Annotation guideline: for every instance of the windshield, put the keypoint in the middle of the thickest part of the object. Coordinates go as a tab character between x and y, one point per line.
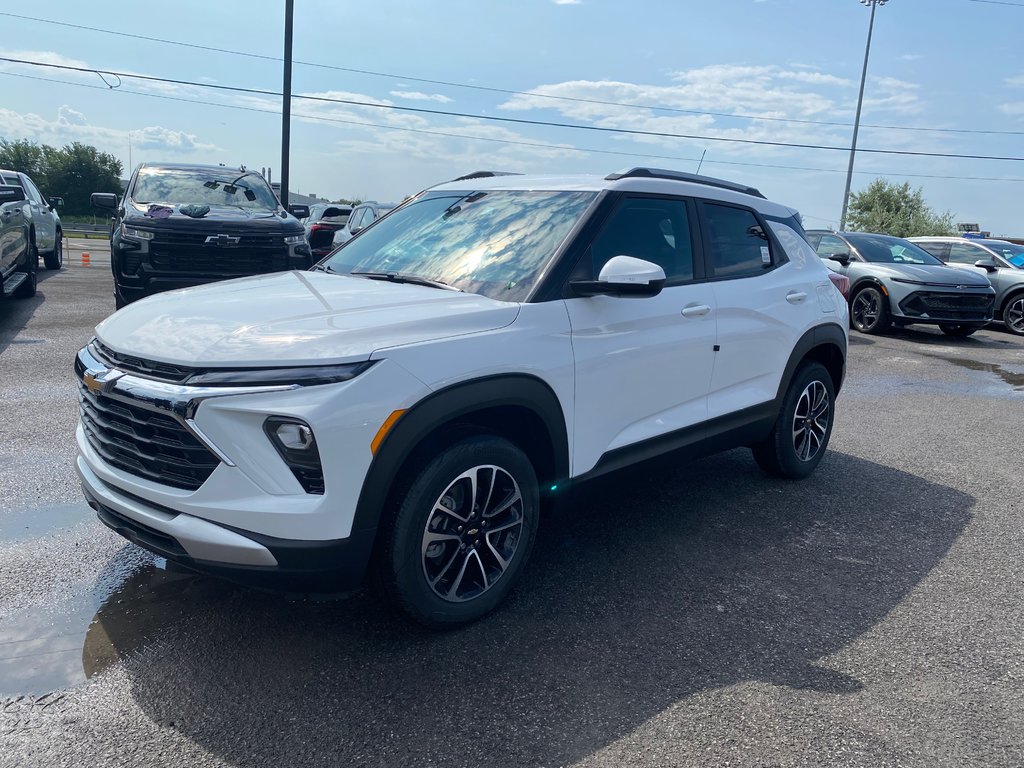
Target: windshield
493	243
882	249
175	186
1012	252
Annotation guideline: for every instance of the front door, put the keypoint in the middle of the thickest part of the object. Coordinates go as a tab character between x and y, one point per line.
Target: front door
643	365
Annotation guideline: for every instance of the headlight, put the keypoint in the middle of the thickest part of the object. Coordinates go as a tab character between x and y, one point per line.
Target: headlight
136	234
295	443
305	376
295	240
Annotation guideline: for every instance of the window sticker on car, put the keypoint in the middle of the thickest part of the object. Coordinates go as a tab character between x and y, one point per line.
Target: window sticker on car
766	256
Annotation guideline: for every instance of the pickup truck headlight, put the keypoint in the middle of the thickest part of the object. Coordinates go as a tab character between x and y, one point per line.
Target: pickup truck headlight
135	234
295	239
296	444
305	376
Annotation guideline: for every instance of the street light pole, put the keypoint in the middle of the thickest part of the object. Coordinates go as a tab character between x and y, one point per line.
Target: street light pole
860	103
286	107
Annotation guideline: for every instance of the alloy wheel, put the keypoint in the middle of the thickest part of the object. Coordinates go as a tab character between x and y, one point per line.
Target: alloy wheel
866	310
810	420
1015	315
472	533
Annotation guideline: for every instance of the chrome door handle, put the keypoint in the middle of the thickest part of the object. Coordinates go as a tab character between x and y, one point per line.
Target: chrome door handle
795	297
698	310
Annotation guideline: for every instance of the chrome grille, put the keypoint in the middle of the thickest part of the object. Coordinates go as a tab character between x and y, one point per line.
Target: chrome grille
143	442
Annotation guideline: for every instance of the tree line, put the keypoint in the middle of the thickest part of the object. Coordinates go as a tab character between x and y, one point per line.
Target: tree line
72	172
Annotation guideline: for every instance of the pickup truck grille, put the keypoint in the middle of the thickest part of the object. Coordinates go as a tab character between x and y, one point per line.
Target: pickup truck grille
190	254
146	443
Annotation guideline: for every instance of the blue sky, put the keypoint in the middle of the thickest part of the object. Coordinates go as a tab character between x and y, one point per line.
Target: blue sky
934	64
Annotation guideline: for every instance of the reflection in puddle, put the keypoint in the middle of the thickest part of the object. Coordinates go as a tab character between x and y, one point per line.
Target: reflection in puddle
1014	378
46	648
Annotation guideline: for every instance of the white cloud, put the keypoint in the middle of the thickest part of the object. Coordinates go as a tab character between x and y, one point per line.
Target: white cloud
567	2
1015	108
418	96
1015	82
911	57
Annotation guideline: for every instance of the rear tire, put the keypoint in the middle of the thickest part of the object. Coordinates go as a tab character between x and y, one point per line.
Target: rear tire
1013	314
55	258
798	441
869	311
959	331
450	556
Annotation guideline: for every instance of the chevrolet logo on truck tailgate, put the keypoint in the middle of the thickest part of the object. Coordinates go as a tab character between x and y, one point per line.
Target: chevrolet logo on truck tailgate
222	241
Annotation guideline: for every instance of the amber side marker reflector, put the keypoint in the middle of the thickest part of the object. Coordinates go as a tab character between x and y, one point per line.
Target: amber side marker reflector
389	422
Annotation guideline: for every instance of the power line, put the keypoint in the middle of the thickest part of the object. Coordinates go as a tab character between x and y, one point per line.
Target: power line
515	142
510	92
514	120
998	2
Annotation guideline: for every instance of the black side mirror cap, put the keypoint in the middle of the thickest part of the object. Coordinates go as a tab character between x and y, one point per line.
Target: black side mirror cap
842	258
299	211
105	200
55	202
989	265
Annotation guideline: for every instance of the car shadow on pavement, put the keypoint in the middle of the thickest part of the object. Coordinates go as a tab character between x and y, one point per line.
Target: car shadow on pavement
655	584
15	313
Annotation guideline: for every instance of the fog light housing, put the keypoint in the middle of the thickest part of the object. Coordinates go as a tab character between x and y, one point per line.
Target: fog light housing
296	445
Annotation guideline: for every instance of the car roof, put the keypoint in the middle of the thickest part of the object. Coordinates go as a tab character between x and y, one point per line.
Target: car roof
617	183
955	239
197	167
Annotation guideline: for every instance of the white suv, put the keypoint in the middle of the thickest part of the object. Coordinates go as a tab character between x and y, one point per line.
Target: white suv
405	408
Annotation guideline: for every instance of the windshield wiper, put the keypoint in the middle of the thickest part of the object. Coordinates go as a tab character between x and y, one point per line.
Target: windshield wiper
324	268
398	277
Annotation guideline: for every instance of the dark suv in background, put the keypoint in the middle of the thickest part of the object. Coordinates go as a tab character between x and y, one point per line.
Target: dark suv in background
183	225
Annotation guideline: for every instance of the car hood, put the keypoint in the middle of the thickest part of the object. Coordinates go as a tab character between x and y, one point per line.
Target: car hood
295	318
217	215
933	274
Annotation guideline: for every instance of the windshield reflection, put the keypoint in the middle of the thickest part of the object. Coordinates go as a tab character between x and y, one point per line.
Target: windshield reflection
494	243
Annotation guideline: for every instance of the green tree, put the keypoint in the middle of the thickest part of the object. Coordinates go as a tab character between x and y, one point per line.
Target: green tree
78	170
895	209
28	157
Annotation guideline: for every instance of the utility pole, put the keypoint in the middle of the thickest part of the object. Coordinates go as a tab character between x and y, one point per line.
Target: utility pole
286	107
860	103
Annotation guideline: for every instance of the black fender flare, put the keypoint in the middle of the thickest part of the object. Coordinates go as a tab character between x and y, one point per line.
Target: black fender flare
824	335
868	280
447	405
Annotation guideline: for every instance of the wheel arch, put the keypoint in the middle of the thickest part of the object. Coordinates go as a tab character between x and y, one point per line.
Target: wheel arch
868	280
825	344
1016	292
519	407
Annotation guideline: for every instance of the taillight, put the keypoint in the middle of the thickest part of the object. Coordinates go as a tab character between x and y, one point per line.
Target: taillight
841	282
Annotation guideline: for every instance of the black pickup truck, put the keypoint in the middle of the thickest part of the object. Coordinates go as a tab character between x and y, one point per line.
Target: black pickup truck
184	225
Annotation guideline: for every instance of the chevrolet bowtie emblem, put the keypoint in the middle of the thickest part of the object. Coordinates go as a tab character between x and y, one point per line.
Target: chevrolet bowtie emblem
98	381
223	241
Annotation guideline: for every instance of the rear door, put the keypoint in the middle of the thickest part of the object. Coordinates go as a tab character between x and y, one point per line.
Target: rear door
643	364
764	304
12	229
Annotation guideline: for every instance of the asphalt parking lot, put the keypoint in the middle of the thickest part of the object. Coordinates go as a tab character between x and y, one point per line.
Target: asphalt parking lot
677	614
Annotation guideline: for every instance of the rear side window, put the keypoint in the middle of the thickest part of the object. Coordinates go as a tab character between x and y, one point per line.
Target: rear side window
961	253
938	250
738	245
830	245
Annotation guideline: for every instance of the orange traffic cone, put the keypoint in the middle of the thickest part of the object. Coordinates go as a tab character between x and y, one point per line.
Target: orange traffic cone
85	258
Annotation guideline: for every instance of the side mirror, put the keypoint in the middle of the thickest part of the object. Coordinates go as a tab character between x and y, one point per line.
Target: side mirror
11	194
55	202
989	264
105	200
624	276
299	211
842	258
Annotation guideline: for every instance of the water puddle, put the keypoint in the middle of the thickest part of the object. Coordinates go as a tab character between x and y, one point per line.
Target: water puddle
39	521
45	648
1014	378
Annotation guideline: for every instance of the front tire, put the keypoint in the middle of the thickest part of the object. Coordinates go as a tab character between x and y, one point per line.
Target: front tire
1013	314
869	311
797	442
55	258
462	533
959	331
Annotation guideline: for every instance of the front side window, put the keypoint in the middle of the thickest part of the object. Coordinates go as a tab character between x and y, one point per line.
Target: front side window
177	186
1011	252
652	229
883	249
739	246
33	192
962	253
495	243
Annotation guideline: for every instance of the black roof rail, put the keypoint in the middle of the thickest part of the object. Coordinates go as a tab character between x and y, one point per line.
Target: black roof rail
661	173
484	175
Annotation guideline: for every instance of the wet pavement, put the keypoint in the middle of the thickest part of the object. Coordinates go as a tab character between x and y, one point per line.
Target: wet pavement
674	614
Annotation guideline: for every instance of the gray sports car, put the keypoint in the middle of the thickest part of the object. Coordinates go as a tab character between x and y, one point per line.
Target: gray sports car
1001	261
894	282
